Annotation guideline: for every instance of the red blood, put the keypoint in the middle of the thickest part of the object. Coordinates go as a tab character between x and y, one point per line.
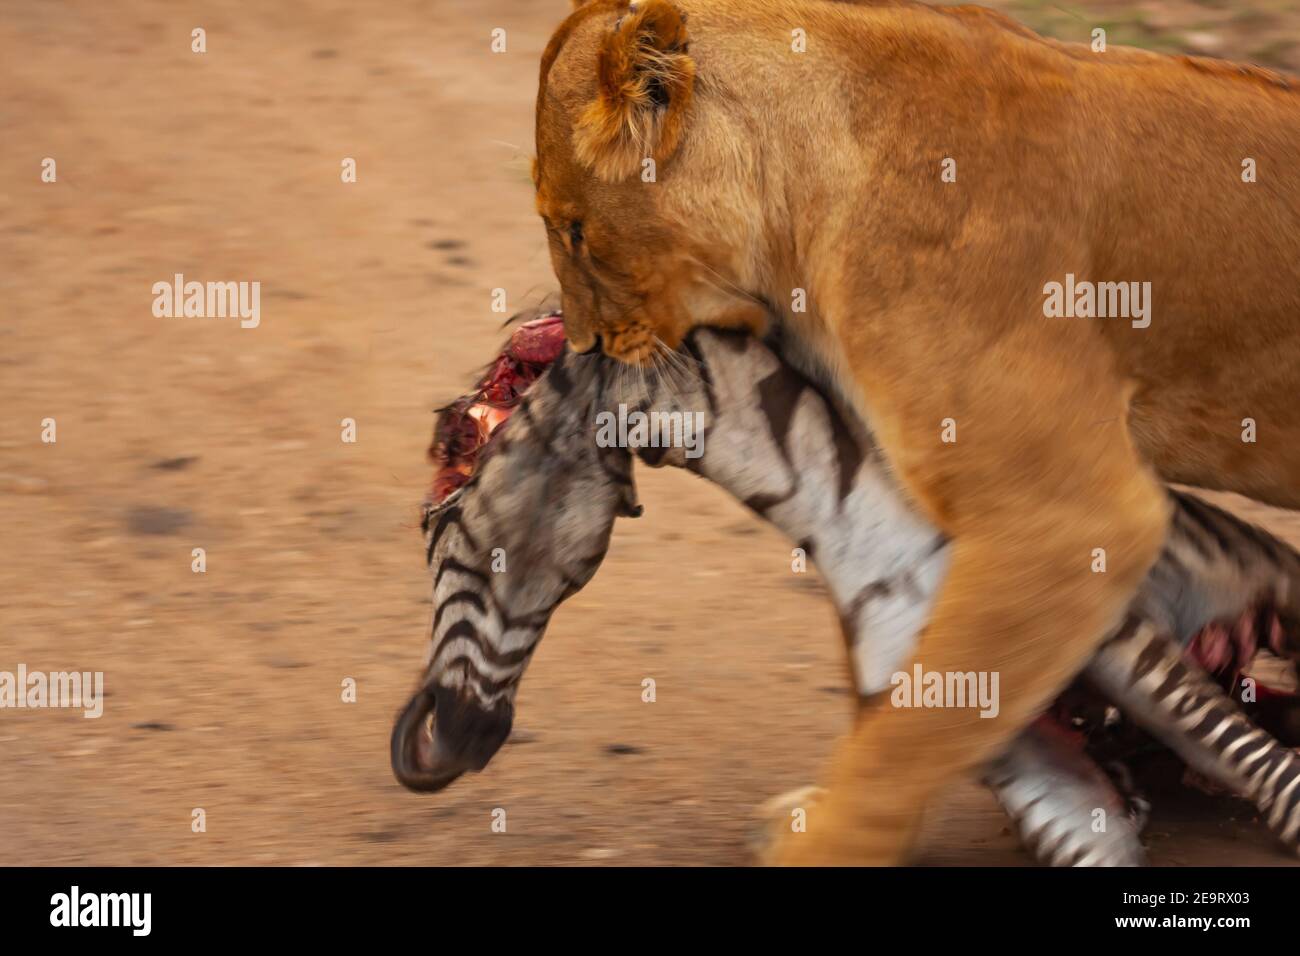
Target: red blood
540	341
501	385
1212	648
445	482
1229	646
467	425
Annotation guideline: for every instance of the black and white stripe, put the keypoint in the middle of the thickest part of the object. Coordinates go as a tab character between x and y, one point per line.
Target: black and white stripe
543	500
883	565
775	441
1144	673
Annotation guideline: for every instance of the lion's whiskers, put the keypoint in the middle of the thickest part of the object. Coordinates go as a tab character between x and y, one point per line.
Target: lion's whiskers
670	364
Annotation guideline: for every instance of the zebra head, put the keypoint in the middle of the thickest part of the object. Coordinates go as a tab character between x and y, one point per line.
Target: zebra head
528	529
532	523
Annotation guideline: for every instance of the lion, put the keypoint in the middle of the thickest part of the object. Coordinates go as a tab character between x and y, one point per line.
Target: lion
898	192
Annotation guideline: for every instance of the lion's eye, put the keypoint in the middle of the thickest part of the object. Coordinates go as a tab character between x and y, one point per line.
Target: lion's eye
575	233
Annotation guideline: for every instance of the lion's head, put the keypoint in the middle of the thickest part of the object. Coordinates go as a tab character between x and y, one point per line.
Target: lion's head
644	201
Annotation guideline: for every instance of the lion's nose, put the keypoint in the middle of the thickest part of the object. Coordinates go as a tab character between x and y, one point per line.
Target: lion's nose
582	337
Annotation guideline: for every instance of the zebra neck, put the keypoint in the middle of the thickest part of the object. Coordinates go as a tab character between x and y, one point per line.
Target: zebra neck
782	452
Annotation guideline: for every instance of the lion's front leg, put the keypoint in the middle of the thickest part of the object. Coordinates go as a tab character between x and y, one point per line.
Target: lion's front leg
775	817
1064	807
1053	523
902	751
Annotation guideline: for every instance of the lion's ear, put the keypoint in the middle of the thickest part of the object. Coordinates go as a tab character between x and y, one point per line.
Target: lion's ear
643	91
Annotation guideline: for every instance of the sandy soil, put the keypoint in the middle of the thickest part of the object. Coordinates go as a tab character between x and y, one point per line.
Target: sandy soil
224	688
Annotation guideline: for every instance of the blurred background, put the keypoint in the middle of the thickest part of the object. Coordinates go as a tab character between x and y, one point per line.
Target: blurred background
224	688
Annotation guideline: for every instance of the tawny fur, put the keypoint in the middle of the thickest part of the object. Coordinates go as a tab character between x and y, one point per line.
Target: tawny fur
642	63
820	171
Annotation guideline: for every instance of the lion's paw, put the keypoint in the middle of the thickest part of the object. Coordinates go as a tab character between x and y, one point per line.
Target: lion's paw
779	816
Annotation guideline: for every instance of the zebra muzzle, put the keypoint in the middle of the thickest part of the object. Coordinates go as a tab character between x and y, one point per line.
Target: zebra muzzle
441	734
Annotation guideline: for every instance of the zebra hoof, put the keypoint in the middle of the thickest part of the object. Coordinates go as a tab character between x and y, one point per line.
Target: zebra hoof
1139	807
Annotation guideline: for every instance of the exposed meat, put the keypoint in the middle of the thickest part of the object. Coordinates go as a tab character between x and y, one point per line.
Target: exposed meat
1227	646
465	427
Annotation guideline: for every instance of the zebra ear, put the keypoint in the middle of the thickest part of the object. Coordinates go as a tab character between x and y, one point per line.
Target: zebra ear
431	508
629	506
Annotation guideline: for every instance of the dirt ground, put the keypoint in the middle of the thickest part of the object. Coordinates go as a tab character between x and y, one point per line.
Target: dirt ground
224	688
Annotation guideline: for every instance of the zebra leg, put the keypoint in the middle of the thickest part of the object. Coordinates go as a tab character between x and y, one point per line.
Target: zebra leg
1146	675
1048	786
1065	808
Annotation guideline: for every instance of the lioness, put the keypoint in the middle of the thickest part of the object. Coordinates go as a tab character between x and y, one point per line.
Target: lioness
897	187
